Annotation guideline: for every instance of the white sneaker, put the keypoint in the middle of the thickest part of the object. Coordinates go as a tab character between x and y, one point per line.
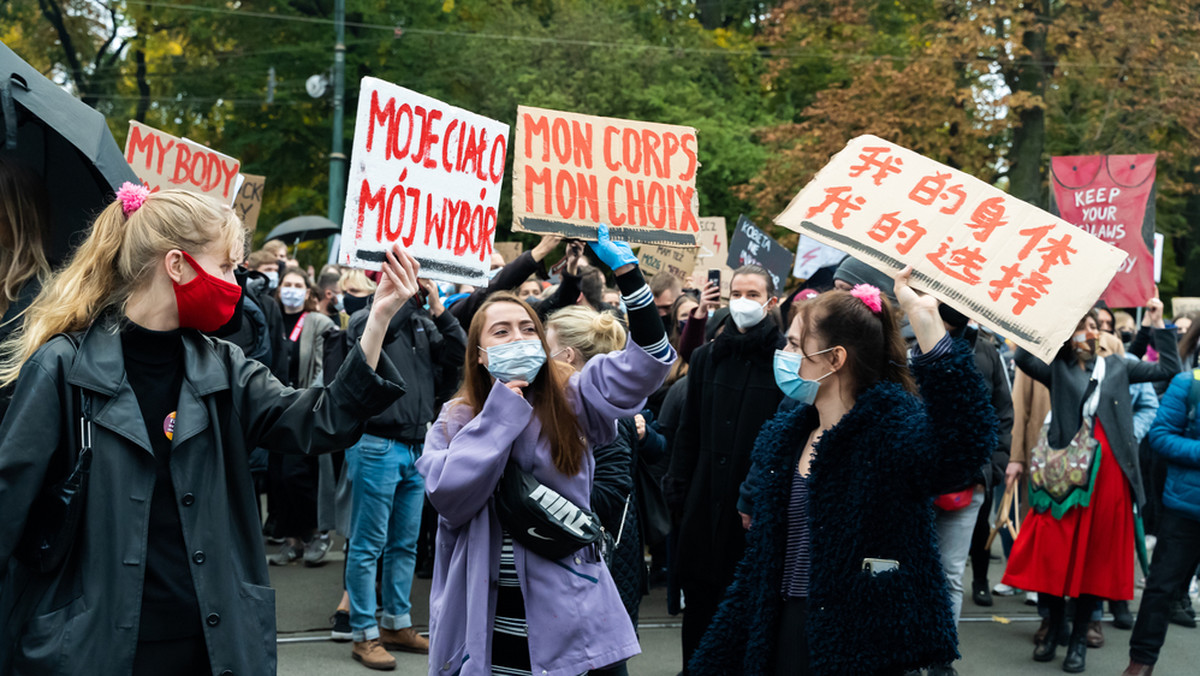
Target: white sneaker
1031	598
1002	589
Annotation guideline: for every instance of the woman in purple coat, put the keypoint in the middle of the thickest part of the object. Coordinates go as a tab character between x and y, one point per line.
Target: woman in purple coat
495	606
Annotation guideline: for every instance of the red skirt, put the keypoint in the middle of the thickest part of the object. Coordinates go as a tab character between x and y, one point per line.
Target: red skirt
1088	551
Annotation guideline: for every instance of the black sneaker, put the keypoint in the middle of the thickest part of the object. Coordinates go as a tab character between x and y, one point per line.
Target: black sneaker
342	633
1179	615
981	593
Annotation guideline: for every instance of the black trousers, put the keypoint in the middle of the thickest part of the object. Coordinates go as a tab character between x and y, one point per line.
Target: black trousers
1175	559
701	600
791	646
179	657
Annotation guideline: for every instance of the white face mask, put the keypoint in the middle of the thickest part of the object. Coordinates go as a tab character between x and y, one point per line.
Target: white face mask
746	313
272	279
292	298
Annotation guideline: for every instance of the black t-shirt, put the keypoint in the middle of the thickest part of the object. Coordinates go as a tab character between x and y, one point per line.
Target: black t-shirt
154	366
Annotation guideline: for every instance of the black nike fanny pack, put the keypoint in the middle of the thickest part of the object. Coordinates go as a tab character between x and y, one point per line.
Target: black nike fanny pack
540	518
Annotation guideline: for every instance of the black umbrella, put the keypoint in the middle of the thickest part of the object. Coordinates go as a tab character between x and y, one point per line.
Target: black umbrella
303	228
66	143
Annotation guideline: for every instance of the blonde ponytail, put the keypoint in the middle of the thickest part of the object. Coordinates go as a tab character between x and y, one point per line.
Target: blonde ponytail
117	258
587	331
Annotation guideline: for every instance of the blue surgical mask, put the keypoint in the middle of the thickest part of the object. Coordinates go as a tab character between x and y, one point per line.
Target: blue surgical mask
517	360
787	377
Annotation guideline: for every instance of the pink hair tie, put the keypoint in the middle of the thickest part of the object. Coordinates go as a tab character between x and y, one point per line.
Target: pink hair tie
132	197
868	294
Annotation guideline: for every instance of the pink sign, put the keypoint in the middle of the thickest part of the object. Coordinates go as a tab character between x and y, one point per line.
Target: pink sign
1110	197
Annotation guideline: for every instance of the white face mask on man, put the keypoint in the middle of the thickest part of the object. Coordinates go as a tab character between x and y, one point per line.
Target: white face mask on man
746	313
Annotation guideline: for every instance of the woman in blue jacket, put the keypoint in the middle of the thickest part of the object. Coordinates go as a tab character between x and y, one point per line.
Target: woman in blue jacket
841	495
1175	435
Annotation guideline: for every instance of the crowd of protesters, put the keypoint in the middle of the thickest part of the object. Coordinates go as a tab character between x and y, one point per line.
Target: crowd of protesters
782	461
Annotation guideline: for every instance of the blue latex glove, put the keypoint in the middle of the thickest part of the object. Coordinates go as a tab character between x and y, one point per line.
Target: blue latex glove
613	254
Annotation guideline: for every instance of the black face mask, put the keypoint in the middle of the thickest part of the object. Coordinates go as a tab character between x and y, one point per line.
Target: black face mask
1126	336
353	304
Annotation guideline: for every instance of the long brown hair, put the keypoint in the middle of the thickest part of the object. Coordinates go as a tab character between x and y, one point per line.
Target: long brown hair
24	212
874	348
547	394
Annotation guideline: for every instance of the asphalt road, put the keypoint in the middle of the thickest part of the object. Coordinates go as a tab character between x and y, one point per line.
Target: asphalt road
994	641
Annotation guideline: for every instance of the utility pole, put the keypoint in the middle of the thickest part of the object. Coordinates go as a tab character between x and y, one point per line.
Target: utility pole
337	159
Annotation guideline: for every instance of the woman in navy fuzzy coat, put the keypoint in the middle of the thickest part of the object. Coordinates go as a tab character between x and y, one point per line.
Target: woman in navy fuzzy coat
850	475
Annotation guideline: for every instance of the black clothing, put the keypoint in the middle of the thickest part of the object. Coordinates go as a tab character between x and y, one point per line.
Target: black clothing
731	392
418	343
178	657
1175	559
510	278
293	347
85	616
792	657
154	367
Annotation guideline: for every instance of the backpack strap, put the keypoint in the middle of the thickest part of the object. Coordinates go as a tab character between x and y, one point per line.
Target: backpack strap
1193	395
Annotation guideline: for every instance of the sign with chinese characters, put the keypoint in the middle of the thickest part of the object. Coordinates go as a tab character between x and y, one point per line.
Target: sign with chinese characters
165	162
1112	197
572	172
1024	273
425	174
752	246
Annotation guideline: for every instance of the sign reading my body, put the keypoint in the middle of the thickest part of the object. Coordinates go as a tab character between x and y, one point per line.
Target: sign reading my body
666	159
188	164
422	137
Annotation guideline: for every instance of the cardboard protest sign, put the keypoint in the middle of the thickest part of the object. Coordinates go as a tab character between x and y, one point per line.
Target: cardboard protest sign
713	253
572	172
163	162
811	256
679	262
425	174
751	246
509	250
1018	270
1183	306
249	198
1112	197
713	241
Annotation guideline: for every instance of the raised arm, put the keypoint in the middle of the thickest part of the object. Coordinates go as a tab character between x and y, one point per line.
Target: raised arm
1169	434
312	420
463	459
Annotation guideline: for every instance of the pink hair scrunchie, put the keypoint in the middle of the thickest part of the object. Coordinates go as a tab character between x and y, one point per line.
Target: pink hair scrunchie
869	295
132	197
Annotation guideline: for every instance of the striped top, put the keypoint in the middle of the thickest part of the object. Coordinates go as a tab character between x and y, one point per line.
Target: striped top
797	561
643	299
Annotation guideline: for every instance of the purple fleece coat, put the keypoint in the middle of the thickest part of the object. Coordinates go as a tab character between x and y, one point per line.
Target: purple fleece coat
576	619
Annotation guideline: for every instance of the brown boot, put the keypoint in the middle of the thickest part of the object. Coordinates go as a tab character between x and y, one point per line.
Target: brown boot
1138	669
406	639
1095	637
1040	634
372	655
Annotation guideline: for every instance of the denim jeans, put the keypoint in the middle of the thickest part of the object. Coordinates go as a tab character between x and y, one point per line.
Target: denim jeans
954	542
385	518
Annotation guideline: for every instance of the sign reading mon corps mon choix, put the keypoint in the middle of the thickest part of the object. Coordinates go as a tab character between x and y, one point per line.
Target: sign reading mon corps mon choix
572	172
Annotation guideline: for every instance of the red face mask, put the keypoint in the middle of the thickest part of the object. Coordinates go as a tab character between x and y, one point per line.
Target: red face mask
206	303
